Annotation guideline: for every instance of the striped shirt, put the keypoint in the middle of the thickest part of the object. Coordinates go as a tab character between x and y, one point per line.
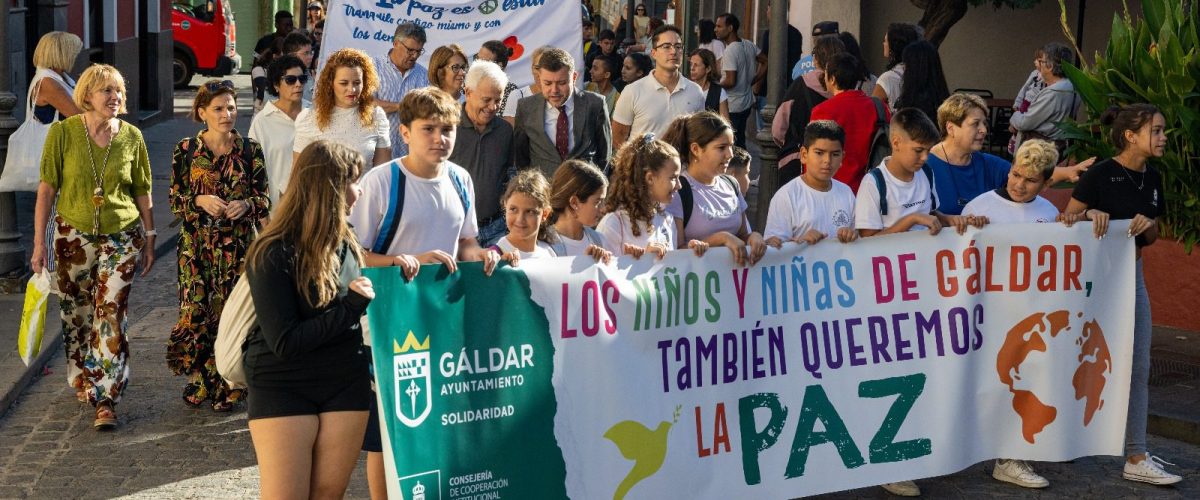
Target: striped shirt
392	87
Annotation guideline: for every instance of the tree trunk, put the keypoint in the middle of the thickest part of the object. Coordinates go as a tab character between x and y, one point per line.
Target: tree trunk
939	16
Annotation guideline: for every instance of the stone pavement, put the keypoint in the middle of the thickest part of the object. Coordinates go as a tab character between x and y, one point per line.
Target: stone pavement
163	449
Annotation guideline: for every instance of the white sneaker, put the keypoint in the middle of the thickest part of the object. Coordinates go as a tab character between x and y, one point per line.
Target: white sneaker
902	488
1149	471
1018	472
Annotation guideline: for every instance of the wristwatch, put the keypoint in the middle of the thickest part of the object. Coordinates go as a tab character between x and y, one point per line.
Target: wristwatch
152	232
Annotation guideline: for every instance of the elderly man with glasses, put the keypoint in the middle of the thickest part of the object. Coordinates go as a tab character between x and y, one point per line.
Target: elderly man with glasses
398	74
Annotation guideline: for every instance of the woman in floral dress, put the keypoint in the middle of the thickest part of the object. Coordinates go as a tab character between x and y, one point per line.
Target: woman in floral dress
219	190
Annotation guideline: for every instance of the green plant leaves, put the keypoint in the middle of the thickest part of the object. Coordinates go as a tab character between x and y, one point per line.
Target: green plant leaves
1153	59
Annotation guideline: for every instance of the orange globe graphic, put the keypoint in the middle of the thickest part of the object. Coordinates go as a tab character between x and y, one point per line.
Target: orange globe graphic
1029	336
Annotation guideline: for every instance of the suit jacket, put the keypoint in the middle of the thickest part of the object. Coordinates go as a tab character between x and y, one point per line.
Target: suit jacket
592	135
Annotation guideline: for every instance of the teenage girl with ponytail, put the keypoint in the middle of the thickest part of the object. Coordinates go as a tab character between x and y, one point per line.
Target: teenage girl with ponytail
709	206
1124	187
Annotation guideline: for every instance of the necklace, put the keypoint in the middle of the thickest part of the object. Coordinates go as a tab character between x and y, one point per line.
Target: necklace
97	175
1140	184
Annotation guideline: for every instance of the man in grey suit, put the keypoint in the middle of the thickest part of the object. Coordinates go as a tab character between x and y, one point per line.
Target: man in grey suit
561	122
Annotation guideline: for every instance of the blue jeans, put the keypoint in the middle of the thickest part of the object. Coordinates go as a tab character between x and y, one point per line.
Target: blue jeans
1139	379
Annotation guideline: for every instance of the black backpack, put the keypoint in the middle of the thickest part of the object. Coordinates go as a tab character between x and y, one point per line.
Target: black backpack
881	145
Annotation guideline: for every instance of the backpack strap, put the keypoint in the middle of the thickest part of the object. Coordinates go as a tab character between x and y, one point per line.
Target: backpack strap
390	224
460	185
592	236
877	174
880	114
929	177
685	199
733	183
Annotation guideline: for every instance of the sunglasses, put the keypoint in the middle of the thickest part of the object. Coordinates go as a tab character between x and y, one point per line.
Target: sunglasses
215	86
292	79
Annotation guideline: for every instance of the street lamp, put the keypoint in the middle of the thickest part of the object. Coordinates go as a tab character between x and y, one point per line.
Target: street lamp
12	255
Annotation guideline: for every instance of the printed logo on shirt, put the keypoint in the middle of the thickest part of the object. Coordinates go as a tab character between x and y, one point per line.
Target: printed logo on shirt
1154	201
913	204
841	219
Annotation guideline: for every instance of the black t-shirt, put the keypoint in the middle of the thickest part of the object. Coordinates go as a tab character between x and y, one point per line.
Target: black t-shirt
1123	193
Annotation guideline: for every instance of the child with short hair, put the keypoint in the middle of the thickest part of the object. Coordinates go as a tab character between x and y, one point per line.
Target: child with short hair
417	209
645	176
1018	200
739	168
434	218
898	195
814	206
526	208
577	195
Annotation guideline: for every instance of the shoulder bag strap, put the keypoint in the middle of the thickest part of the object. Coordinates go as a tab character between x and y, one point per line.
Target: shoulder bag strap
685	199
879	184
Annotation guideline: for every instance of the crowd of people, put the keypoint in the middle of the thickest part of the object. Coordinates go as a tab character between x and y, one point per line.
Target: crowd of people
403	165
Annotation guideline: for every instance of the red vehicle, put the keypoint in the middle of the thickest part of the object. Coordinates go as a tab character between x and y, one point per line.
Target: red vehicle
205	39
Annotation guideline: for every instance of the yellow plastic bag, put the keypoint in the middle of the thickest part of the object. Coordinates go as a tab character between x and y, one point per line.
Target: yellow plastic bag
33	316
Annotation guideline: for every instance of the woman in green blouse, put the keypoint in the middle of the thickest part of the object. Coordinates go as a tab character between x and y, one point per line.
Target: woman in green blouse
98	167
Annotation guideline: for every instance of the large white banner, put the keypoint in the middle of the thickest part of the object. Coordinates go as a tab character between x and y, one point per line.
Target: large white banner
822	368
522	25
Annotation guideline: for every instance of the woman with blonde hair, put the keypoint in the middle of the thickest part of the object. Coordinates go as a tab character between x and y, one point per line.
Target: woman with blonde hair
219	190
344	110
99	169
306	366
55	54
448	69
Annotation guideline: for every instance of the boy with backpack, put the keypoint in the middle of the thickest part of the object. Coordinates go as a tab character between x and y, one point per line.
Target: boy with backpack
898	195
417	209
814	206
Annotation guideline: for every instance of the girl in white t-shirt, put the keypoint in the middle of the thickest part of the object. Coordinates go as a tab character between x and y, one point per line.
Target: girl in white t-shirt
709	205
576	197
526	205
645	176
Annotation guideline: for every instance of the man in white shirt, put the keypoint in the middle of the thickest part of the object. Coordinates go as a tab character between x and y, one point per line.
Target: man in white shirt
399	73
649	105
738	66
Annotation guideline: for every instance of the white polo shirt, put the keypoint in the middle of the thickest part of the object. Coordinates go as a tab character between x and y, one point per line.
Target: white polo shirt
275	131
647	106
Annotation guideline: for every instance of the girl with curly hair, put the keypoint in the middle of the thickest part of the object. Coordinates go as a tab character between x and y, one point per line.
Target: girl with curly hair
344	111
645	177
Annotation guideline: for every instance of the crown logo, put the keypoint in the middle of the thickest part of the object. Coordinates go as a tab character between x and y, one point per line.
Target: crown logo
410	344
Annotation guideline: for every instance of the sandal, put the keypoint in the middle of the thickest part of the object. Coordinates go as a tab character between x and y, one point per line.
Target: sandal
223	406
190	398
81	396
106	418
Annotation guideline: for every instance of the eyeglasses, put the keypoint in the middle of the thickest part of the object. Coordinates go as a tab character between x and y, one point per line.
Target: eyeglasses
292	79
459	68
669	46
411	50
215	86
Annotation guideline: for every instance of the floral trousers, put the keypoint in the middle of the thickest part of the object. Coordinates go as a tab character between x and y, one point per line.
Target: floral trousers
94	275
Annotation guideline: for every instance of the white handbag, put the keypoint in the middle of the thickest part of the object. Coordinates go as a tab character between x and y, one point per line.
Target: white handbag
237	319
22	167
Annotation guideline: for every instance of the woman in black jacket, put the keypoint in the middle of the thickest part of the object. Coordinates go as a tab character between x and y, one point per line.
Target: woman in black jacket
305	361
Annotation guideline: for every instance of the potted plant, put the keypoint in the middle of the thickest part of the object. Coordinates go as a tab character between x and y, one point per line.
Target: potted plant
1154	59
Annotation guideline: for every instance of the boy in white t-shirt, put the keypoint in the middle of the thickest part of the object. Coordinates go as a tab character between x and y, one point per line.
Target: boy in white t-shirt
814	206
898	195
417	209
433	219
1018	201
